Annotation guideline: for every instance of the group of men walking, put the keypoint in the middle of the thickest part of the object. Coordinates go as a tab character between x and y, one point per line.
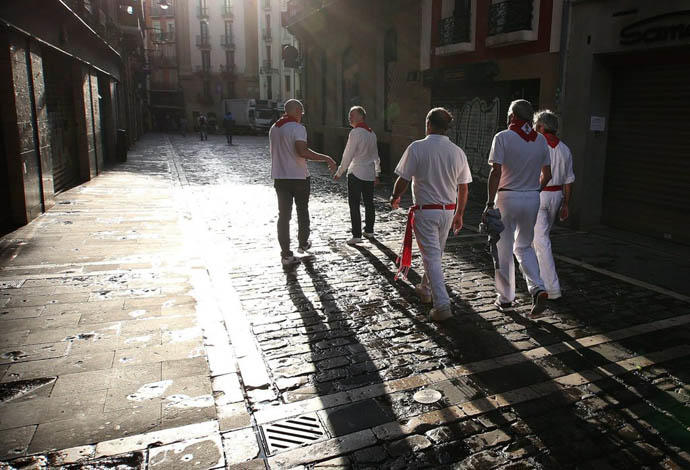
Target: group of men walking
530	183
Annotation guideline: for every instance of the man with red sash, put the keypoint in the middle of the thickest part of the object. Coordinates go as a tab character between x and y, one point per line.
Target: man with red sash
361	160
440	174
520	169
554	199
289	155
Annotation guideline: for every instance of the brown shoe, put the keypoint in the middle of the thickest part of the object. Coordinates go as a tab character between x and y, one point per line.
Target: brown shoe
538	303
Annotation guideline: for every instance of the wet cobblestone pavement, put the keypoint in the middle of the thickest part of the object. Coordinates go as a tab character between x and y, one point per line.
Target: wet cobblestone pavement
318	366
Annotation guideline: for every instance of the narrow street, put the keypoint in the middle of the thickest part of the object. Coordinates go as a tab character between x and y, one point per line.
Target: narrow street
146	322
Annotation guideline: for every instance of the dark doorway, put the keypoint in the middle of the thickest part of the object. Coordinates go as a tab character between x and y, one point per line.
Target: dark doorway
6	224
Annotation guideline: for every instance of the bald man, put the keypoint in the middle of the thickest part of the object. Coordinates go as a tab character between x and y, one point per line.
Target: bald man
289	155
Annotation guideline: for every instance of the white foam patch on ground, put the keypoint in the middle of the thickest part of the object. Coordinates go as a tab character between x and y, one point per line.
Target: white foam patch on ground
186	334
138	339
151	390
137	313
183	401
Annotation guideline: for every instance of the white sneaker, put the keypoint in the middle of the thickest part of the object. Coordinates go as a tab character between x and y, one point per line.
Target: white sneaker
289	261
439	314
368	234
354	241
423	293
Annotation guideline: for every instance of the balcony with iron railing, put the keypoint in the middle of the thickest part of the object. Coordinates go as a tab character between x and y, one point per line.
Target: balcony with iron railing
266	34
164	61
203	41
509	16
227	69
227	42
297	10
201	70
157	11
455	29
266	4
202	12
267	67
226	11
164	36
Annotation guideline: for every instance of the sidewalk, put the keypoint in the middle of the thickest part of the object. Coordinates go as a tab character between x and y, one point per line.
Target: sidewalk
107	330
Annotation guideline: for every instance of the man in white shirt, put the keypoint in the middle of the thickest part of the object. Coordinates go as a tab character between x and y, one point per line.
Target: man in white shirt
289	155
440	174
554	199
520	169
361	160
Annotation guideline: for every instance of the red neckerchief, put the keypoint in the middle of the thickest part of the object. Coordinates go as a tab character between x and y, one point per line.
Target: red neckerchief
523	129
285	119
551	139
363	125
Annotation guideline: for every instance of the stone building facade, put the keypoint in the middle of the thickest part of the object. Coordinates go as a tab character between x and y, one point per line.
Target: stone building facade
361	53
626	98
70	77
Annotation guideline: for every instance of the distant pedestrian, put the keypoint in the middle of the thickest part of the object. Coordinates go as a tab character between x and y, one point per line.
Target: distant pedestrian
183	125
361	160
203	126
228	122
440	174
520	169
554	199
289	155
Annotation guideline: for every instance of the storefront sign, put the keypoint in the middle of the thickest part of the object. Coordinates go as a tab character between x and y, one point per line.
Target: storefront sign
662	28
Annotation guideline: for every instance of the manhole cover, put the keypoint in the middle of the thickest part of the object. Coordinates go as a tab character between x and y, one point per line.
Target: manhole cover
427	396
292	432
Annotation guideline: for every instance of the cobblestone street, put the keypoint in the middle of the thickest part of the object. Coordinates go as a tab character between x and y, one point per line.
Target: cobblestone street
146	322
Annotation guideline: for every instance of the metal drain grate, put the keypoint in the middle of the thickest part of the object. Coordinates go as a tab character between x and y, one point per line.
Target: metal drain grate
293	432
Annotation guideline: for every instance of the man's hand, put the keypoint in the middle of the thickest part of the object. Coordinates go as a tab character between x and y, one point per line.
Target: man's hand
377	181
332	166
336	176
564	212
395	202
457	223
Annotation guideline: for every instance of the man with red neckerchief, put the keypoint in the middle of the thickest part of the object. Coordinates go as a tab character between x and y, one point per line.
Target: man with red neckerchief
289	155
521	168
440	174
554	199
361	160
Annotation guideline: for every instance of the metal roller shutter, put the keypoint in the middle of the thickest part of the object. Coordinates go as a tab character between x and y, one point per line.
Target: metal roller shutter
61	118
648	156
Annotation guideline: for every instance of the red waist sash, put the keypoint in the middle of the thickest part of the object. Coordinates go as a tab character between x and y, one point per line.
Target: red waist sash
404	260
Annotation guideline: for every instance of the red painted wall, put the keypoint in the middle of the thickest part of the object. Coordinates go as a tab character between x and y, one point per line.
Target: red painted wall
482	52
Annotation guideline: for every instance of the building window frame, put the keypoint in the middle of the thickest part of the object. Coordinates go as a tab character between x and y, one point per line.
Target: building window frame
518	36
449	16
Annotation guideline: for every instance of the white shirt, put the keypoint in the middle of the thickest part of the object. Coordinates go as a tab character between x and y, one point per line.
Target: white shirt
361	156
286	164
436	167
521	161
561	165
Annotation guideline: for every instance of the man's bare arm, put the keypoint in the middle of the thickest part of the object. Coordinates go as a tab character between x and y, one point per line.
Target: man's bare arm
308	154
545	177
460	207
399	189
492	185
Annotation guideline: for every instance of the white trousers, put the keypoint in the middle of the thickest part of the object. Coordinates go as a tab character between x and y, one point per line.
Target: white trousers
548	211
431	227
518	214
